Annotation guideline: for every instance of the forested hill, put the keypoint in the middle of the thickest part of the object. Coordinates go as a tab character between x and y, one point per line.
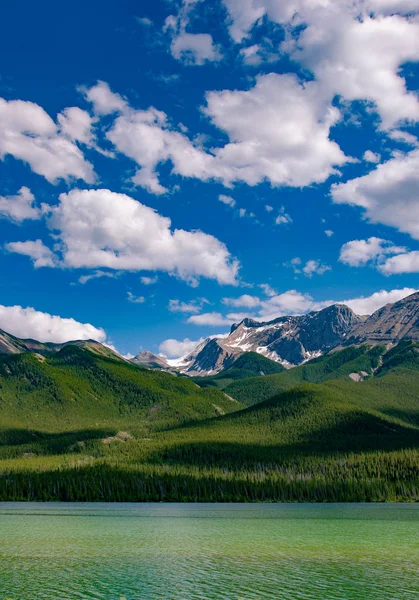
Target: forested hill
76	425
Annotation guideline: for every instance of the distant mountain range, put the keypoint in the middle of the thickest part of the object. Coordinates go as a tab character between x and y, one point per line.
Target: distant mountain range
80	423
294	340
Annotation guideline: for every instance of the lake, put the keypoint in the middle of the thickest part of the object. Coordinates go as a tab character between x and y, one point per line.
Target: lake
83	551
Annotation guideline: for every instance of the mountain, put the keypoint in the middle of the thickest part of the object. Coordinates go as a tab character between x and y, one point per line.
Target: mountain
295	340
9	344
150	361
78	388
289	341
248	364
121	433
389	324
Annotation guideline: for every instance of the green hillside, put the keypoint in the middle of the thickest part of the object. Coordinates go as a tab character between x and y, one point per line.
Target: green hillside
80	388
249	364
334	365
76	426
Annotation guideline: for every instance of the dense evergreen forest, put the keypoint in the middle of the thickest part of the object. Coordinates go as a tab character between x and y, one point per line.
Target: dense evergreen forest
77	425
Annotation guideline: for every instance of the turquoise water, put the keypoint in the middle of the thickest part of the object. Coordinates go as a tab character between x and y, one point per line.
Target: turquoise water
207	551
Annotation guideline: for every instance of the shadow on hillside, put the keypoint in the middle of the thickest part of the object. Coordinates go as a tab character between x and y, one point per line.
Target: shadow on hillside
367	435
408	416
15	441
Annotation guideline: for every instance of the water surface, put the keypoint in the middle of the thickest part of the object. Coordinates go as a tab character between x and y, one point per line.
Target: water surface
209	551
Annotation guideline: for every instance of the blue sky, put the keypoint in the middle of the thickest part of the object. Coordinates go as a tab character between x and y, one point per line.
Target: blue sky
171	167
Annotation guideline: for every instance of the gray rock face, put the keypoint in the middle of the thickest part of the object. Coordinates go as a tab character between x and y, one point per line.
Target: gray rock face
288	340
150	360
390	324
297	339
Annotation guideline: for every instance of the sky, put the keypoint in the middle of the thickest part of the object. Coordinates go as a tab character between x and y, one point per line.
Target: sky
170	168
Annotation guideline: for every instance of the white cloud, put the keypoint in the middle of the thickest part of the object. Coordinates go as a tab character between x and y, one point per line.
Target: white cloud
29	134
291	302
283	218
267	289
77	125
310	268
329	232
358	253
294	303
242	212
195	48
212	319
371	157
278	130
252	55
105	102
313	267
407	262
30	323
268	208
351	52
366	306
149	280
227	200
100	228
245	300
144	21
20	206
172	348
389	194
96	275
191	48
186	307
135	299
40	254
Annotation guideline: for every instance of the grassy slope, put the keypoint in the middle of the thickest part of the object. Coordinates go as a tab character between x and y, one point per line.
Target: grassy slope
338	440
334	365
247	365
79	389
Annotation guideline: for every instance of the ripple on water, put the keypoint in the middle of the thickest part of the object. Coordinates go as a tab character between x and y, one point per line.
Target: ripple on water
206	552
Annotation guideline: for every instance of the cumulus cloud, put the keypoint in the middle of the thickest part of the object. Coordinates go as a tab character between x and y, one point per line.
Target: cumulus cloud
135	299
283	218
77	125
388	194
19	207
30	323
227	200
186	307
278	130
195	48
267	289
368	305
358	253
29	134
40	254
310	268
190	48
371	157
211	318
293	302
105	102
149	280
329	232
245	301
100	228
354	49
408	262
172	348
